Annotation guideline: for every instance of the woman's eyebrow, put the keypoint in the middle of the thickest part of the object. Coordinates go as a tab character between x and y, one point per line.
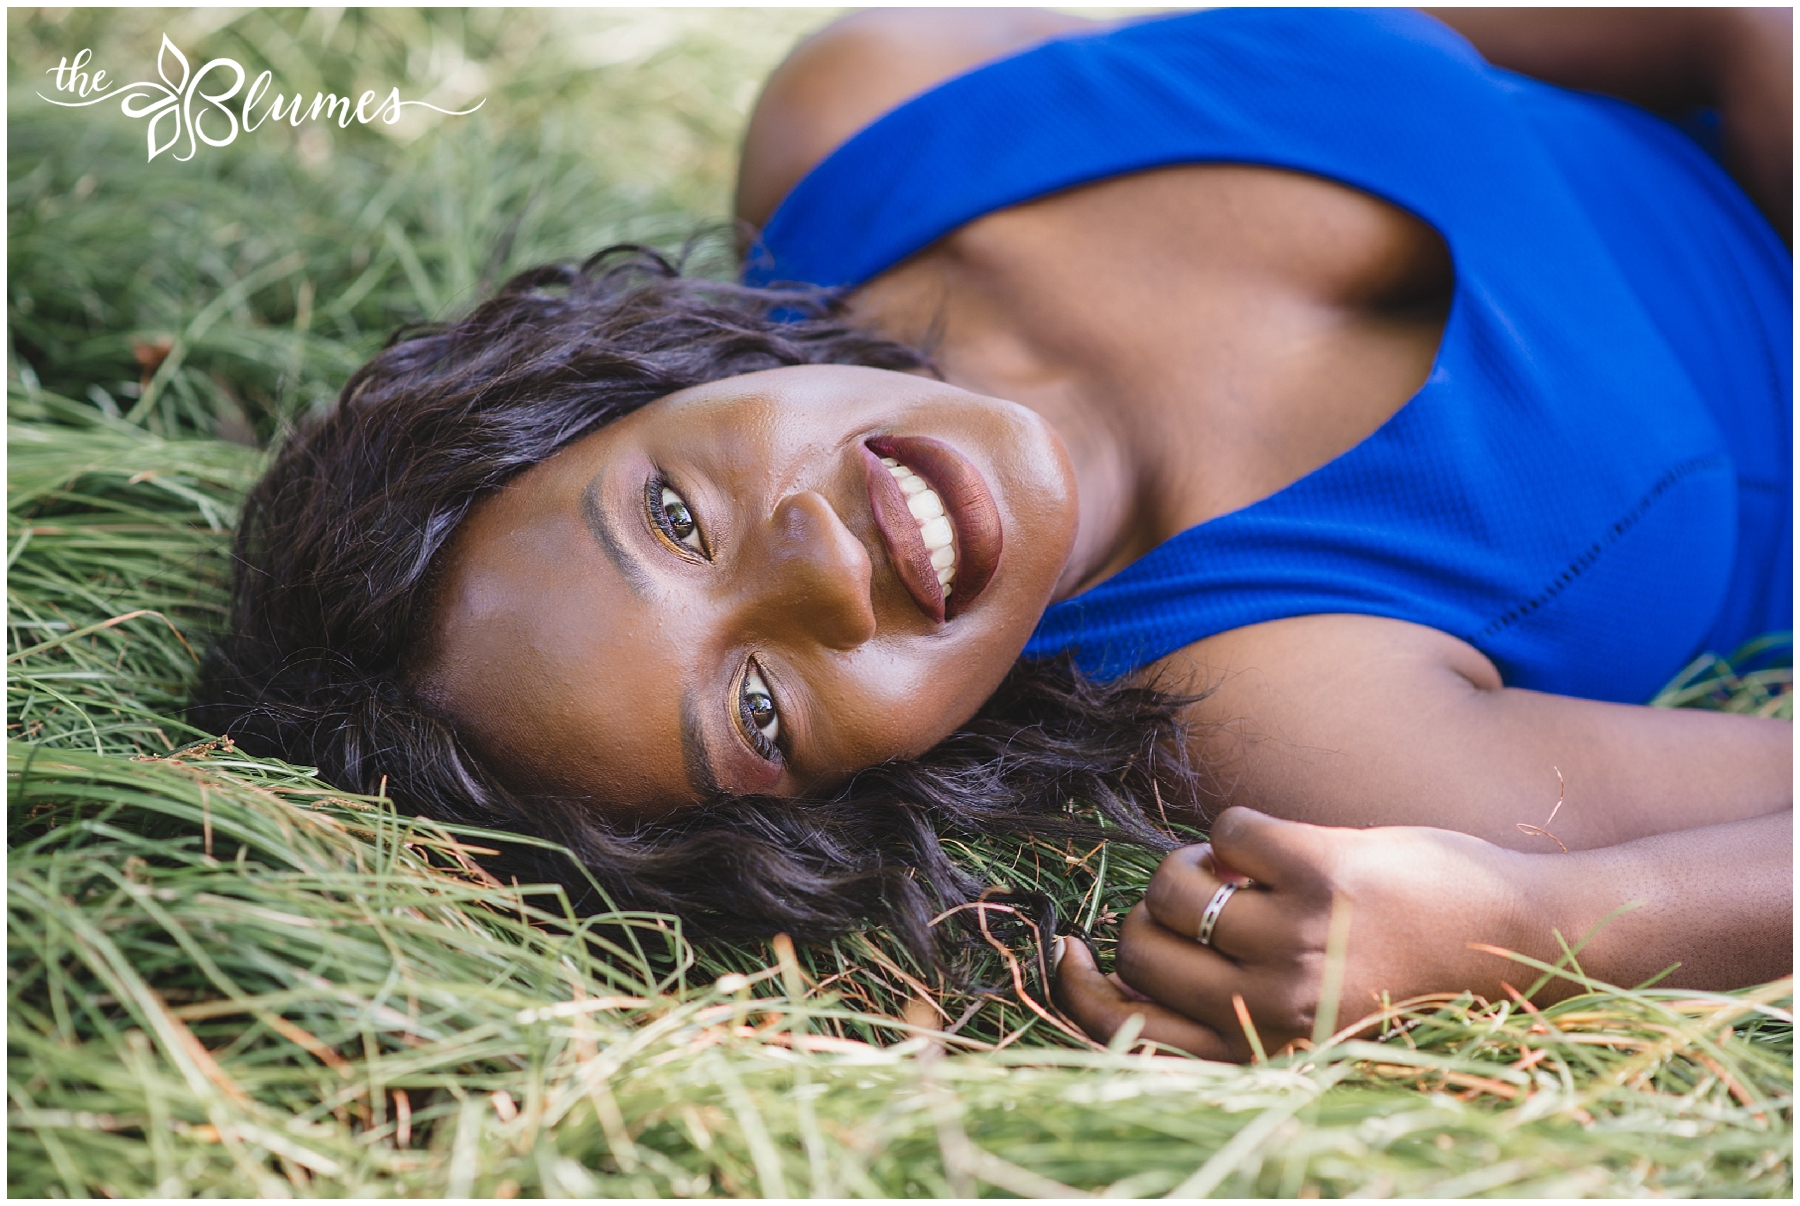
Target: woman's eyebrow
600	525
694	758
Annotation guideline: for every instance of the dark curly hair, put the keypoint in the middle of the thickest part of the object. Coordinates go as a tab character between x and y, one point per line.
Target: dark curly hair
333	583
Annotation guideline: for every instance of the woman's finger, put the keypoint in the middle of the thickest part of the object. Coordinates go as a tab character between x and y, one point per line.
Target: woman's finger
1100	1007
1271	851
1183	976
1207	859
1184	890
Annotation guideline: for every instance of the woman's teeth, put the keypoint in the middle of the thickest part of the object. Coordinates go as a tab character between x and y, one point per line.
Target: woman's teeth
934	525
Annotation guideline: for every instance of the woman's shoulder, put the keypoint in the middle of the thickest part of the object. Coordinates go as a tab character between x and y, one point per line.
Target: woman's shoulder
855	69
863	66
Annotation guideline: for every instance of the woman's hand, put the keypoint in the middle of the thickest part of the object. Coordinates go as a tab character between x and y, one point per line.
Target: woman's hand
1414	898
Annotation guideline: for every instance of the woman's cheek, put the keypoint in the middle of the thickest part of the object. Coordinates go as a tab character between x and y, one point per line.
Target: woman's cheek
898	709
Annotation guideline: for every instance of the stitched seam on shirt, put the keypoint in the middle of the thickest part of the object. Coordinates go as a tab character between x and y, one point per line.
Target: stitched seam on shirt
1592	553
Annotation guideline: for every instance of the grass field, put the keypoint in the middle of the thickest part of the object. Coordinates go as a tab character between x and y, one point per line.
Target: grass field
227	979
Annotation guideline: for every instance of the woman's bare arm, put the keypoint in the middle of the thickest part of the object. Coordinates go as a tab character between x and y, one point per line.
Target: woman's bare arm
1363	721
1718	901
1415	770
1669	60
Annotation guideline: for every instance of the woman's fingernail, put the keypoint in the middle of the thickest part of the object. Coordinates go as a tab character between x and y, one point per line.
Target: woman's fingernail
1056	953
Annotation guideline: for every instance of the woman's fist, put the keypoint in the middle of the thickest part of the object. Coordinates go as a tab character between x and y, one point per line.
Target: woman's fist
1413	898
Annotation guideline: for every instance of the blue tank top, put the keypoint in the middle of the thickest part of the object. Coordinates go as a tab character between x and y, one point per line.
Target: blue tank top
1594	483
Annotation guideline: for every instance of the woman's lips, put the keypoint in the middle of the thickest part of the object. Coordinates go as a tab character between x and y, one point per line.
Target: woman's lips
968	505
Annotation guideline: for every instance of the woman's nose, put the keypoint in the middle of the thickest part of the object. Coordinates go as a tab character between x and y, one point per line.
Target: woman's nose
816	580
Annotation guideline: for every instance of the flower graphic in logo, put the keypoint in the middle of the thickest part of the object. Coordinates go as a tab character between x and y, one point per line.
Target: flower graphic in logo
170	105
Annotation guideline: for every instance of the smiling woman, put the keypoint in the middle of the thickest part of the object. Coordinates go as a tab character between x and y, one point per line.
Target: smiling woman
1306	399
618	560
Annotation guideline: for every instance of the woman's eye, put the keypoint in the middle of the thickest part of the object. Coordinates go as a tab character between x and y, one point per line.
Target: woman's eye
675	519
758	708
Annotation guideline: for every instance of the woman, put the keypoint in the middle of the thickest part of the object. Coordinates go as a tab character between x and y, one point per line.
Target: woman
1352	392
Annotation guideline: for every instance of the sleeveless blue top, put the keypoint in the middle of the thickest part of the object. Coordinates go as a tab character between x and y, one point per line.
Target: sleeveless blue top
1594	484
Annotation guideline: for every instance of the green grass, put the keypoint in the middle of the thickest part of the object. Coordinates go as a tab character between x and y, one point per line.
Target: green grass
227	979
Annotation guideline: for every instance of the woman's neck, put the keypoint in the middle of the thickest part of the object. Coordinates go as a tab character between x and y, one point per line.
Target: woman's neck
1116	512
1201	337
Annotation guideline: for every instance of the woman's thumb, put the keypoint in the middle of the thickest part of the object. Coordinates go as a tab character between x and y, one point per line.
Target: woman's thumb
1267	849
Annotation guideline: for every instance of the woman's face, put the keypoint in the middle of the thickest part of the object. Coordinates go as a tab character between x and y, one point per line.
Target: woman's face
730	590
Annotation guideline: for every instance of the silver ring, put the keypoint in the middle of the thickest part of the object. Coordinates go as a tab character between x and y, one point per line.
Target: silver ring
1214	907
